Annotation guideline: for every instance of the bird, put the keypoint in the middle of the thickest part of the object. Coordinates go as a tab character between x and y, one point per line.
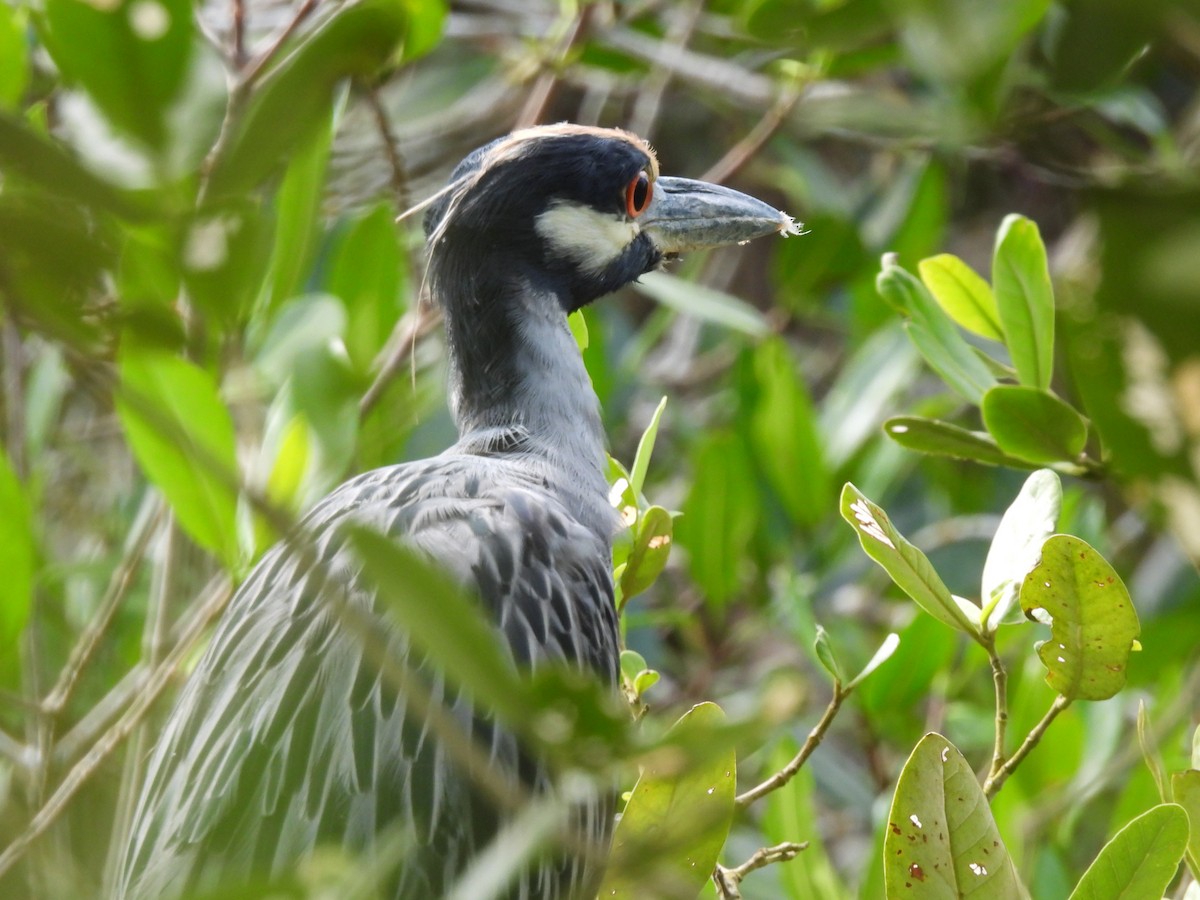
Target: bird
285	737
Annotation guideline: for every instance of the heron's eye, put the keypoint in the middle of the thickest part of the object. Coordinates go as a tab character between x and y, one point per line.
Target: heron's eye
637	195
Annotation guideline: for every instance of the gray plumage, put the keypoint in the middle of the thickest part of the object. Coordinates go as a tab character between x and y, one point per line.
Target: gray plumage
286	737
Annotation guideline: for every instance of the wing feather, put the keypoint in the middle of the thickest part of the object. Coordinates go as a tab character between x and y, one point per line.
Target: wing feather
287	737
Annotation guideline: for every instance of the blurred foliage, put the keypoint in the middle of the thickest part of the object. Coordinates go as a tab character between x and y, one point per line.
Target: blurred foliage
209	319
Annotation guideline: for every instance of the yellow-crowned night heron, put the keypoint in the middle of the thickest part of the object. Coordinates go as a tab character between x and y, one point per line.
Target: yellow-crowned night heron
286	737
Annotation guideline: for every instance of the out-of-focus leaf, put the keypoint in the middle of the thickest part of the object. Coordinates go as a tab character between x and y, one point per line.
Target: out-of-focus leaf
45	389
703	302
965	297
1025	299
675	822
426	19
1094	624
17	561
297	207
579	329
305	324
907	566
30	155
719	516
441	620
1185	790
645	449
182	436
152	39
934	334
945	439
14	56
941	839
368	272
224	253
651	547
292	101
1137	442
326	391
791	812
785	436
1140	861
286	478
864	391
1096	42
1015	549
1033	424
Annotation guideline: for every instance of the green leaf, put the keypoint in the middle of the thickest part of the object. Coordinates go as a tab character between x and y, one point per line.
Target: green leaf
368	273
791	812
14	56
297	212
294	98
427	18
1034	424
939	438
703	302
651	547
1025	299
1185	790
17	562
676	822
632	664
443	622
182	436
645	449
908	566
965	297
933	333
719	516
785	435
579	329
286	480
826	655
223	256
26	153
1094	624
941	839
1140	861
131	56
882	655
1017	546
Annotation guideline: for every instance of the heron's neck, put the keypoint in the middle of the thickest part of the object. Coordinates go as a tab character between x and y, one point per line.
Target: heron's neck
519	388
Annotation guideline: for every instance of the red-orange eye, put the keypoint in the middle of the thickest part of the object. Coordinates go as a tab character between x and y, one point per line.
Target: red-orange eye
638	194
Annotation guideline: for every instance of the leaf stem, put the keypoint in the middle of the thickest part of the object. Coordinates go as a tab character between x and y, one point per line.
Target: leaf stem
996	779
728	881
788	772
1000	680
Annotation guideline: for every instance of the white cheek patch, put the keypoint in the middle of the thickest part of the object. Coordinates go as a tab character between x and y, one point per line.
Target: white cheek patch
590	238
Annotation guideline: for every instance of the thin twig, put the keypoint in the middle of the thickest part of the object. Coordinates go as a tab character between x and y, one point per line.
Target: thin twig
788	772
118	586
255	68
161	676
996	781
543	88
728	881
154	634
649	96
1000	680
238	49
745	149
391	149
